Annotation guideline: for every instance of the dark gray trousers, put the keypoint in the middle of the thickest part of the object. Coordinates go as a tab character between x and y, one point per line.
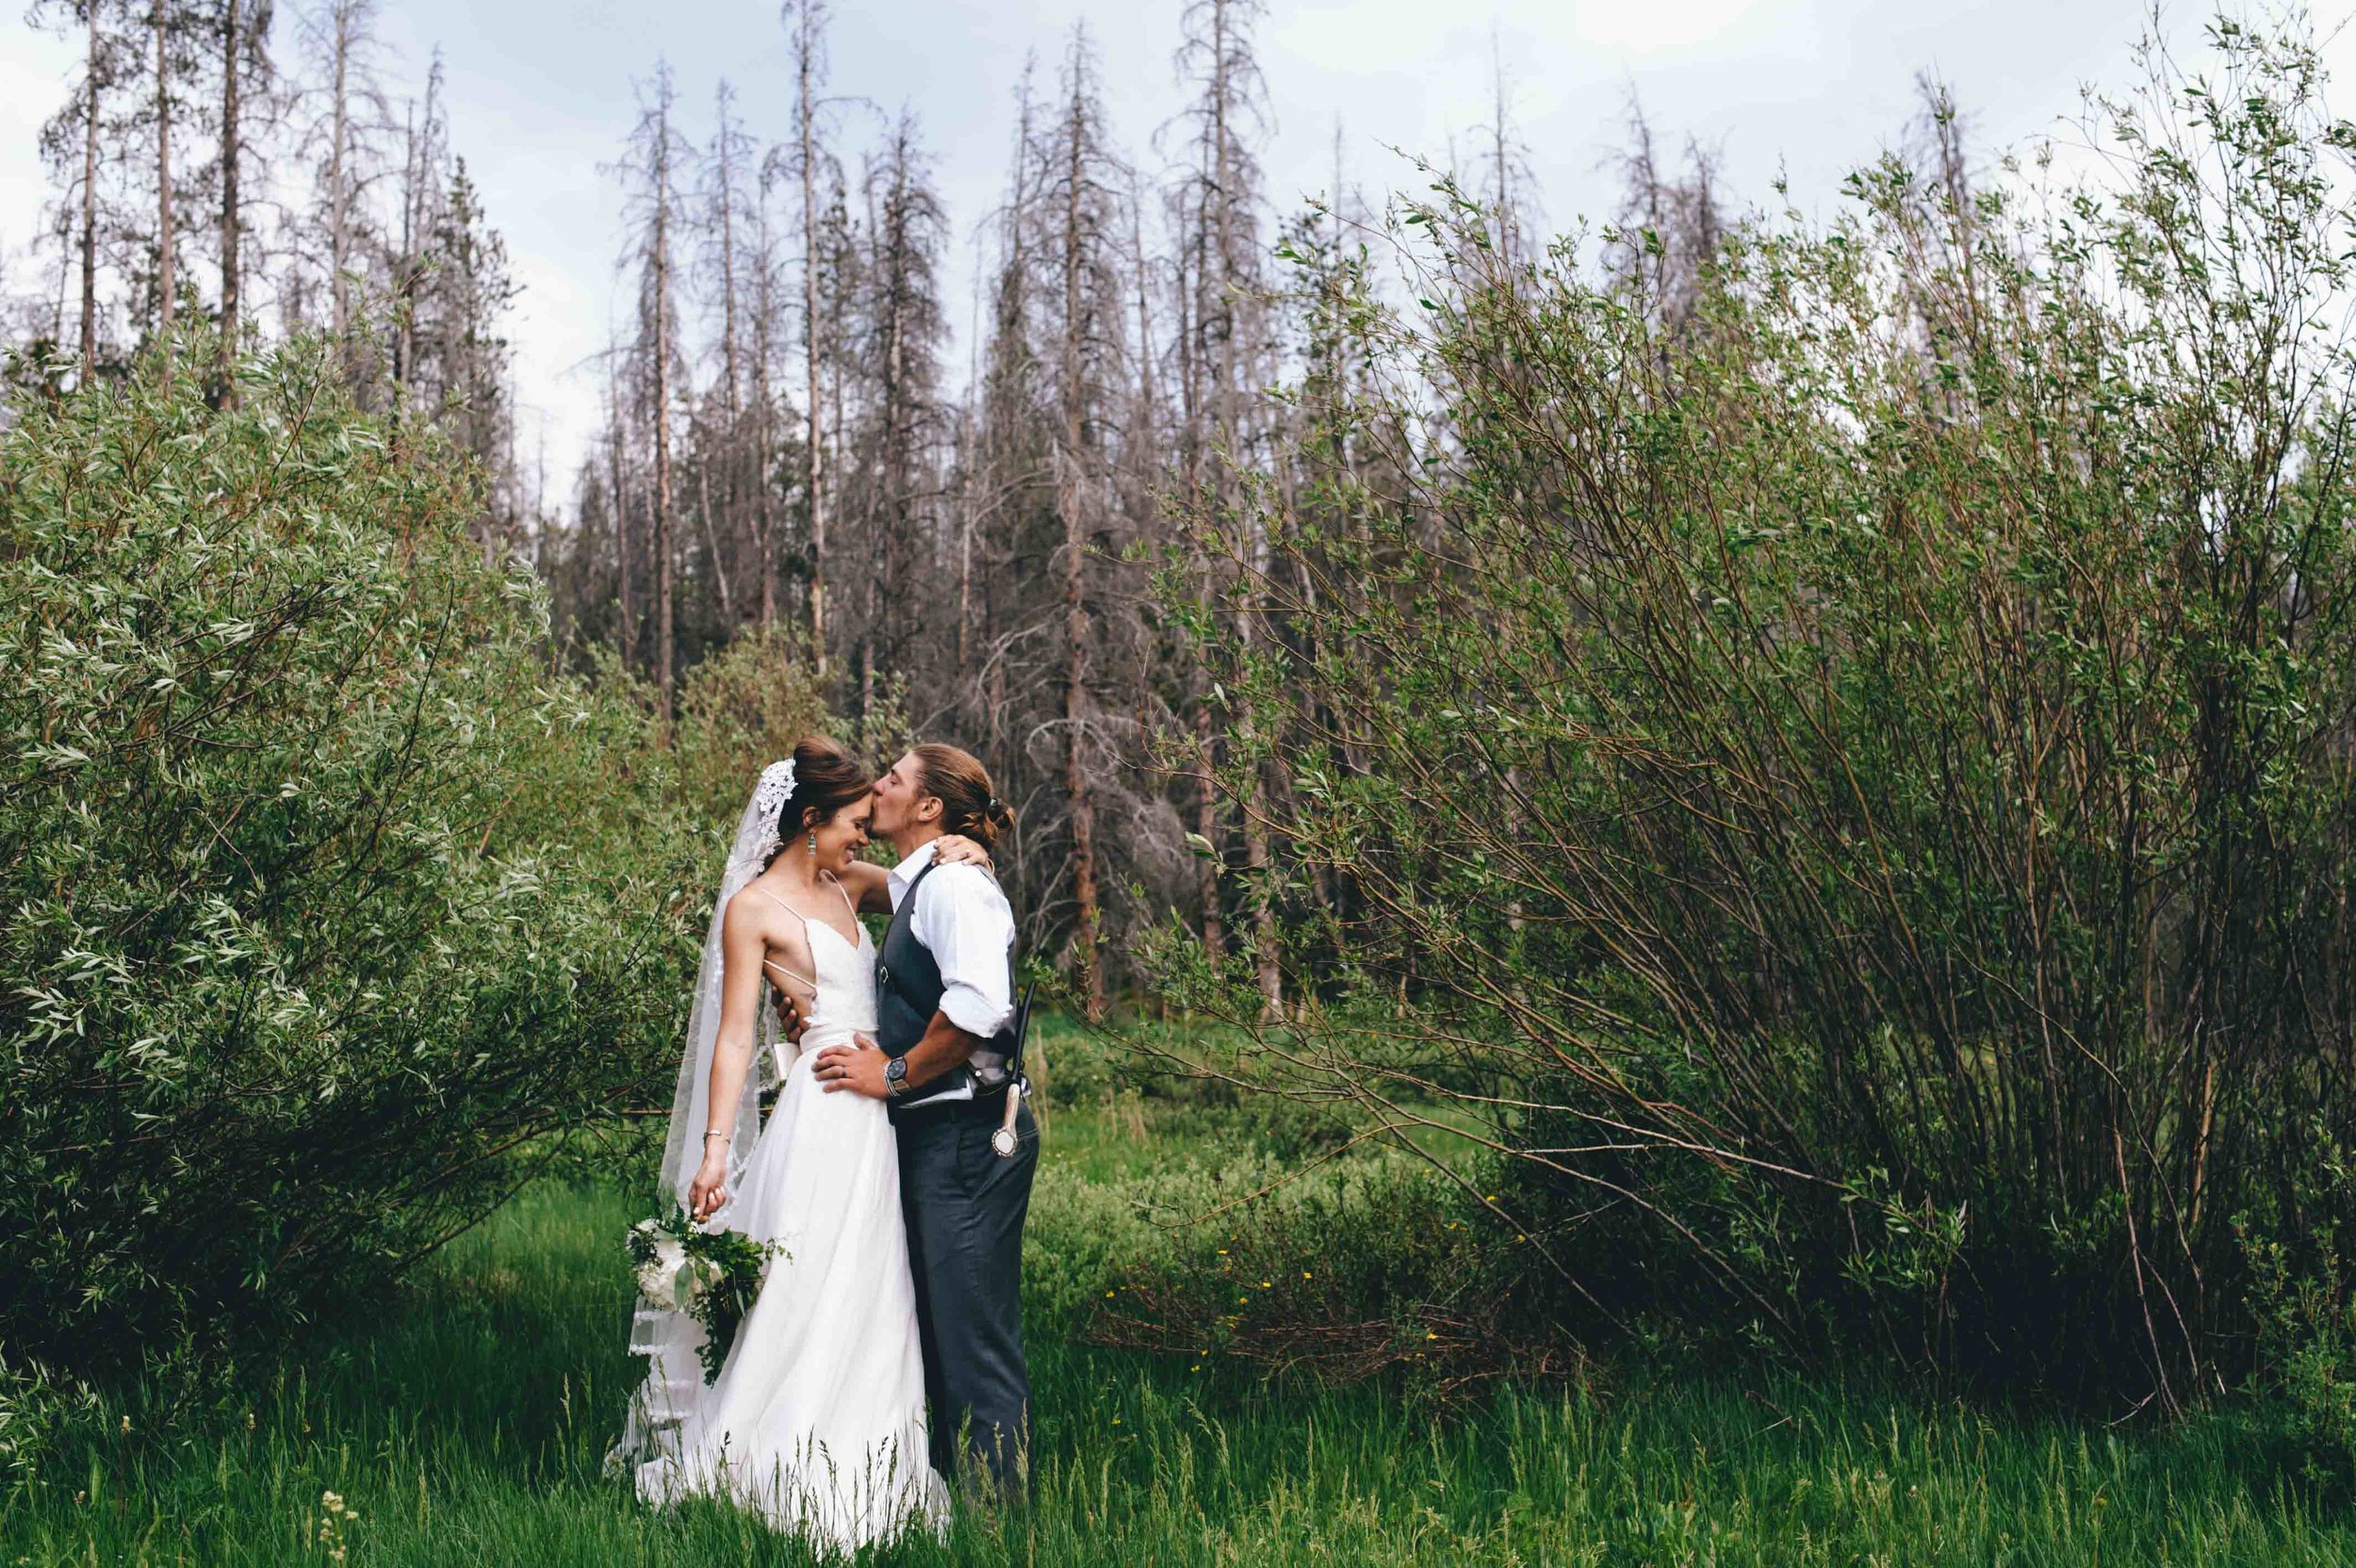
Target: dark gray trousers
965	1204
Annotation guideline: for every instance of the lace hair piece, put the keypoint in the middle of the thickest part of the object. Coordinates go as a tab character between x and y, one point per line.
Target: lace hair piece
775	788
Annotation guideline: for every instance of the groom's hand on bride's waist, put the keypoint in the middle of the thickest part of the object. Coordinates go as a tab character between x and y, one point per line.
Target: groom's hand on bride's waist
858	1066
790	1021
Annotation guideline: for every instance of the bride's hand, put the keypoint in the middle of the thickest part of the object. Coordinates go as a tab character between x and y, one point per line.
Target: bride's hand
955	849
710	1188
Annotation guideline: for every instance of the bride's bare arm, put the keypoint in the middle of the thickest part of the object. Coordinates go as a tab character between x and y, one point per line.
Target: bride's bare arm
870	886
743	946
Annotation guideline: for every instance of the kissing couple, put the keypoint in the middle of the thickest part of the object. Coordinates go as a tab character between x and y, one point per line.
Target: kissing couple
884	1350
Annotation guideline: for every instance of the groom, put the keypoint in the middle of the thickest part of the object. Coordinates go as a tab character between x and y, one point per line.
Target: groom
945	984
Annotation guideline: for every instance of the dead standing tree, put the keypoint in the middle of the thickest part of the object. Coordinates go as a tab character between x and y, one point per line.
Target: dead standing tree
806	27
71	139
721	441
898	339
351	124
1081	213
1225	340
244	77
651	170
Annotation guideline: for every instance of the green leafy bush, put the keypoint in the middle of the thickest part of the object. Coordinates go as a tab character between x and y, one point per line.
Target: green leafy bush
324	900
1840	760
748	705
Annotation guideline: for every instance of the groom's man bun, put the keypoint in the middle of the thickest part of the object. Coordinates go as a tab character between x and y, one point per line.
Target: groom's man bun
968	801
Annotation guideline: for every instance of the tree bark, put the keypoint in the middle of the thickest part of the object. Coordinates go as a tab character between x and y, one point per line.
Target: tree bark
232	32
405	284
90	200
764	546
338	203
629	629
1071	491
808	17
712	544
1255	831
165	283
665	652
727	266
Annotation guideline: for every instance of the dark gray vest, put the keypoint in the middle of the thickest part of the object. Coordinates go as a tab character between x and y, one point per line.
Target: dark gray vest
908	994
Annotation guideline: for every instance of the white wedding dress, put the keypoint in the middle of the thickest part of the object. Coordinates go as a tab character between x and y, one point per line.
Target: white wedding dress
816	1420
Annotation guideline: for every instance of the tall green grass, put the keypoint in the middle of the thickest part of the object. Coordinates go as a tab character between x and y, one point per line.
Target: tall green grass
466	1426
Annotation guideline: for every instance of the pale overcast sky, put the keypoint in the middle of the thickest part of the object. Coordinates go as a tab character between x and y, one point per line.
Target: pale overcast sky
541	97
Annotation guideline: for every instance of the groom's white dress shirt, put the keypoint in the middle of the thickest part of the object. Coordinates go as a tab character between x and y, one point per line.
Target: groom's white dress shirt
966	923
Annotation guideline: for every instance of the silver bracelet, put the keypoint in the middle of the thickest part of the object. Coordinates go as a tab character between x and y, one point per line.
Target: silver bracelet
709	1137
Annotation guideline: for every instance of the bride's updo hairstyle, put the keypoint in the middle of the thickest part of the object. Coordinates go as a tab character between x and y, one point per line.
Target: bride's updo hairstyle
968	802
824	782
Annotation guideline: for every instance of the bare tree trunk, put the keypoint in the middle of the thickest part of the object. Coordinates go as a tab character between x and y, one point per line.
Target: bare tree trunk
405	341
729	448
712	544
664	630
629	629
231	34
726	171
809	18
1071	491
965	577
1145	327
89	204
765	403
338	203
165	283
1207	828
1255	833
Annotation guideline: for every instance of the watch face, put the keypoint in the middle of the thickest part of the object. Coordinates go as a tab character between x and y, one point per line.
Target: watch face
896	1069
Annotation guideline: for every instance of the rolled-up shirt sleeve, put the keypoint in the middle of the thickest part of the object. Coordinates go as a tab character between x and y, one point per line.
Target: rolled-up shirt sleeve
966	923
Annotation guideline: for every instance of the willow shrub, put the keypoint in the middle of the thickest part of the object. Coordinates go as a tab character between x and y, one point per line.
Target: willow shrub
325	905
1844	781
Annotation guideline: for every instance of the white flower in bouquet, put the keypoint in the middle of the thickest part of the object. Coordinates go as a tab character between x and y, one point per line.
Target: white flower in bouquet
659	1277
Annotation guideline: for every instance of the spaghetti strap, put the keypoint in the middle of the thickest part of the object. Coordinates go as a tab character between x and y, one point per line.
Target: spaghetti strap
809	981
766	962
847	899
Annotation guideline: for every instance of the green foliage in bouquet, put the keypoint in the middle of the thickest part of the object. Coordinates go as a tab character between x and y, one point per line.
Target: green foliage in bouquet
712	1276
324	900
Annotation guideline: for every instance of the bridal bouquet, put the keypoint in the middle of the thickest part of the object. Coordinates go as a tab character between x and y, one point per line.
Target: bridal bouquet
712	1276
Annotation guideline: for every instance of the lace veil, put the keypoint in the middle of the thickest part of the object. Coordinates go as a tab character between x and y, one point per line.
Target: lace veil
668	1338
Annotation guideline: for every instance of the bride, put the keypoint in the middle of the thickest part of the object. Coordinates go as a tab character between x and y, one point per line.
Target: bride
816	1420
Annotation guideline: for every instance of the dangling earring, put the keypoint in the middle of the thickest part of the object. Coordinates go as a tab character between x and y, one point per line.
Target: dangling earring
814	843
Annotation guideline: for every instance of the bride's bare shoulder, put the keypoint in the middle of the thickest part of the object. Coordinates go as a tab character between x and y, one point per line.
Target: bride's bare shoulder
752	907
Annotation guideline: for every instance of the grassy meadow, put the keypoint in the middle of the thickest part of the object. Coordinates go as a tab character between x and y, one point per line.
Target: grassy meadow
464	1422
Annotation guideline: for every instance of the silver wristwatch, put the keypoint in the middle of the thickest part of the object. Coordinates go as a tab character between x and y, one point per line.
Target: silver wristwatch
897	1076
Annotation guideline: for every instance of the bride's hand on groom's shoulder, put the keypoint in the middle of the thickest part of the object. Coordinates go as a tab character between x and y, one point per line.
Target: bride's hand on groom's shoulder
858	1066
955	849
